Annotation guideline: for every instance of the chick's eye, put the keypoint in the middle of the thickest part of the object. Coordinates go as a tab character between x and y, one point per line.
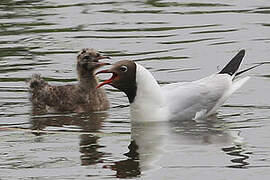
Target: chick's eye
123	68
86	57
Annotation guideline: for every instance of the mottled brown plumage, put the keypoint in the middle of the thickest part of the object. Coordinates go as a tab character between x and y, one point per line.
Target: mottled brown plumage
80	97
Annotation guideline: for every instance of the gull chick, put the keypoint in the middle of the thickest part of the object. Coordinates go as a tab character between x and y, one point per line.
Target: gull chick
80	97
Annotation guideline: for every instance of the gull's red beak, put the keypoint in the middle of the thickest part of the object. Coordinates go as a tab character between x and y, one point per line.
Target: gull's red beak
109	81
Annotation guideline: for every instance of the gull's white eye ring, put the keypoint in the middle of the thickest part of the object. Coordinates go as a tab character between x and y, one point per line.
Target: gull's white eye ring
123	68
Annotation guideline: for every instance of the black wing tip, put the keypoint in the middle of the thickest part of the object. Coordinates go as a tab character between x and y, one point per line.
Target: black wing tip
242	52
232	67
239	55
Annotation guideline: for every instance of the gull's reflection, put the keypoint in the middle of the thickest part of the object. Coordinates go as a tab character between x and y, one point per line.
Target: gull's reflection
144	148
239	156
210	131
86	124
153	141
129	167
214	131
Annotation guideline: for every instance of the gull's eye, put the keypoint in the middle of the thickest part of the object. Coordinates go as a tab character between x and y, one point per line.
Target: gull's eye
123	68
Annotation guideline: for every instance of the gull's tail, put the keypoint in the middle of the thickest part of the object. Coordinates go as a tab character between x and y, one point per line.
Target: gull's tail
232	67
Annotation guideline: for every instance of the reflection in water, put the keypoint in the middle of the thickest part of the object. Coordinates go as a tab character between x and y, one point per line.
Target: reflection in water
210	131
89	148
215	132
239	156
144	149
130	167
145	146
151	140
87	122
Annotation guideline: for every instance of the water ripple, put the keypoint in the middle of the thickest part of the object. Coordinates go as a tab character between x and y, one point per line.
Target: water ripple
124	37
157	28
157	3
214	31
189	41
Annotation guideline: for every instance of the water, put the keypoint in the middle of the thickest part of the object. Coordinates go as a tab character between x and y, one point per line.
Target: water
176	41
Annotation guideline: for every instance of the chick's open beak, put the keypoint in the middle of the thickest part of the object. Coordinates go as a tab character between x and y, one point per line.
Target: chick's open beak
103	57
99	64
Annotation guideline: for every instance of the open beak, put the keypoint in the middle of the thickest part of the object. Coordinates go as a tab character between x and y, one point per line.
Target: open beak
103	57
99	64
109	81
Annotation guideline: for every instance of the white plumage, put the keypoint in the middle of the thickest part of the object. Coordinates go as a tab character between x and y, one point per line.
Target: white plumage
188	100
178	101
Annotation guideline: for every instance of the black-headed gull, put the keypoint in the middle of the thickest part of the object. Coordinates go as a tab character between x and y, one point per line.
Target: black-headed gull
183	100
81	97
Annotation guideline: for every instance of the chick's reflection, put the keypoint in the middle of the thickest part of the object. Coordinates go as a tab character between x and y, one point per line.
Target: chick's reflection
87	125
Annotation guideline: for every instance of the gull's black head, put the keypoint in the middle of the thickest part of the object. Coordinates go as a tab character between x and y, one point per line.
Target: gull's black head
123	78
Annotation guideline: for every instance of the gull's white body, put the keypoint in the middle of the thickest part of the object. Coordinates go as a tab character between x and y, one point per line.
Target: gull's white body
150	102
178	101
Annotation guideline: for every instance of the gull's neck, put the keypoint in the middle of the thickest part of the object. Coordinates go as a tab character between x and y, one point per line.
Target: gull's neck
149	103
